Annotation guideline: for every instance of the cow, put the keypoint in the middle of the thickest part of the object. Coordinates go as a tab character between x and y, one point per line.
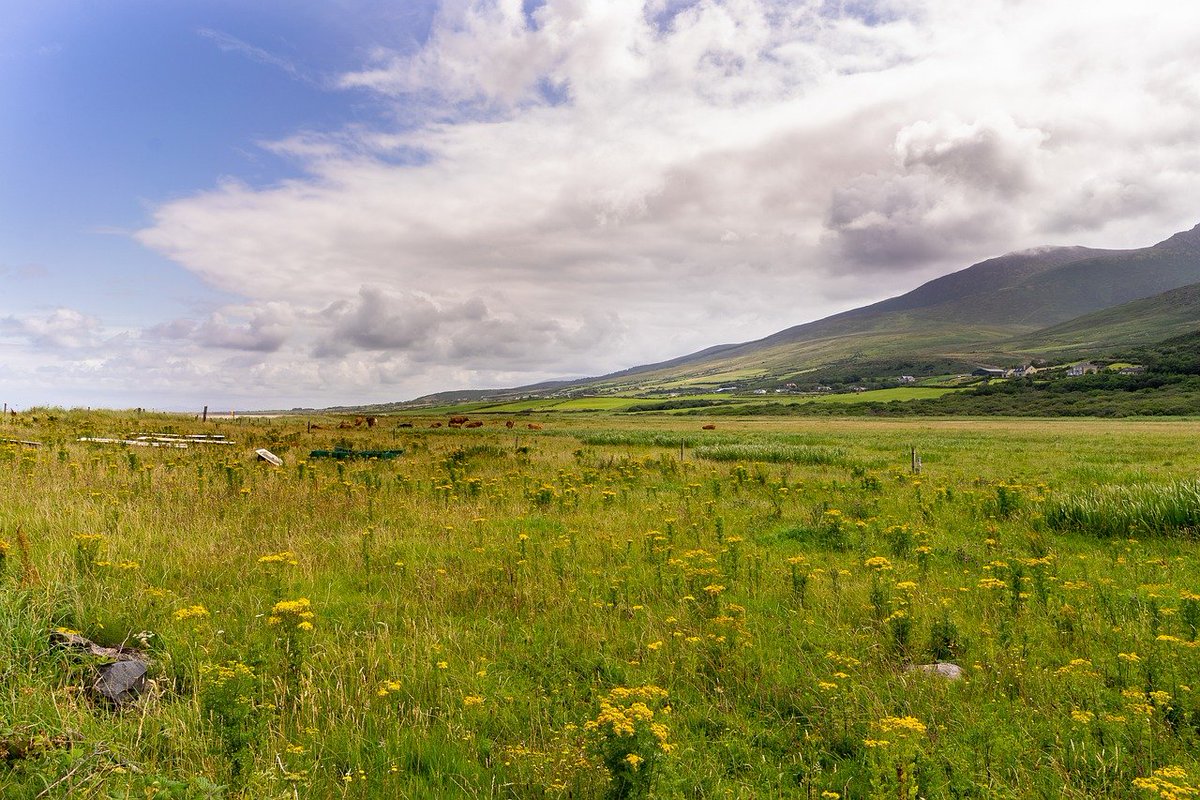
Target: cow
533	426
509	424
475	424
436	425
457	421
371	422
709	427
404	425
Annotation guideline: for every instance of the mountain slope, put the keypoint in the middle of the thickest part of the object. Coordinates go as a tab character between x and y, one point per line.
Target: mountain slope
1149	320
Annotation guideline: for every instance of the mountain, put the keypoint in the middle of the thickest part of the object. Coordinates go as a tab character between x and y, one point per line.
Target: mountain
1040	303
976	315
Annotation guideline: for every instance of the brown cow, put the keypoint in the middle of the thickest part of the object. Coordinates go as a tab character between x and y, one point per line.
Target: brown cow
533	426
475	424
509	424
436	425
371	422
709	427
404	425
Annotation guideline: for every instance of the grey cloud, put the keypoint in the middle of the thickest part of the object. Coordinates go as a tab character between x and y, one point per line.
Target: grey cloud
376	320
887	222
258	330
989	155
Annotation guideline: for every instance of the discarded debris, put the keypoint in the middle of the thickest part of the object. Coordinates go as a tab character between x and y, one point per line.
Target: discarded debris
191	438
266	455
132	442
345	454
20	441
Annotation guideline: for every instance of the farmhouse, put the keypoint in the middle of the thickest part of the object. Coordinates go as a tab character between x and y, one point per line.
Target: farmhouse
907	379
990	372
1082	368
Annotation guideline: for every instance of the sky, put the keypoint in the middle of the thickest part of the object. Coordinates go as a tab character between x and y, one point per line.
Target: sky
279	204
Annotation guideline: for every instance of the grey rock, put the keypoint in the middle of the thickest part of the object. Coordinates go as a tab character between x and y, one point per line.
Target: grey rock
121	681
950	672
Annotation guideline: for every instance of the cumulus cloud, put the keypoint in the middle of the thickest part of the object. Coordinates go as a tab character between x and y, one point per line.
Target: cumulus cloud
62	328
585	186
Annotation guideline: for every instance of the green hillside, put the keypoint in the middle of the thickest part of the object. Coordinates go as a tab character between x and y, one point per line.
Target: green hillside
1144	321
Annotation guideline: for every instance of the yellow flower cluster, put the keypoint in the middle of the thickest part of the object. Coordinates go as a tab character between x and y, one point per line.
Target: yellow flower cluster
902	725
223	673
191	612
297	614
878	563
1168	783
625	710
282	558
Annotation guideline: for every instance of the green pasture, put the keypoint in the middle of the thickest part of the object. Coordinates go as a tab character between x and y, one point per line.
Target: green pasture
605	606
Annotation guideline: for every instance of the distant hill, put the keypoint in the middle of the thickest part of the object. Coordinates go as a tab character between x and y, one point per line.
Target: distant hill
1149	320
1036	303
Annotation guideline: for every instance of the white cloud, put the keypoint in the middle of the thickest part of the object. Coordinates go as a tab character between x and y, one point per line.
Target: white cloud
600	184
62	328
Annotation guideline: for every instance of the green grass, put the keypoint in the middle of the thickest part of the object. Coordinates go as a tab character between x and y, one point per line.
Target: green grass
885	395
1137	510
479	601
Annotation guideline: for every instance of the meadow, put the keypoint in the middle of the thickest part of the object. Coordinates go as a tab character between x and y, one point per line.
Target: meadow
605	607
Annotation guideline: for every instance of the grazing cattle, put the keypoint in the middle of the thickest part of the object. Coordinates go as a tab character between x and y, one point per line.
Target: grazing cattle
509	424
343	425
436	425
458	420
710	427
533	426
404	425
475	424
370	422
358	421
316	427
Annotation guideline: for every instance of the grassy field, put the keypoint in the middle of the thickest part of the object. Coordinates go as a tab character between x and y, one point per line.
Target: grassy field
605	607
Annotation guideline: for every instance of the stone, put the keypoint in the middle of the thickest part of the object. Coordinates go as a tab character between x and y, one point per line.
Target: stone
950	672
121	681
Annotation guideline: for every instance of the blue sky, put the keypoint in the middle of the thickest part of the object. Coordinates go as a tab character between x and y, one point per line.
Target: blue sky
122	105
279	204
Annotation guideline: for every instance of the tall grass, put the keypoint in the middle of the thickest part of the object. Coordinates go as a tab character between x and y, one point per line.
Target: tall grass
772	454
1156	509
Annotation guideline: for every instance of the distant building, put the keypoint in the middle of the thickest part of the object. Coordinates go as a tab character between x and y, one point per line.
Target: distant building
760	391
1025	371
907	379
1082	368
1134	370
990	372
789	386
